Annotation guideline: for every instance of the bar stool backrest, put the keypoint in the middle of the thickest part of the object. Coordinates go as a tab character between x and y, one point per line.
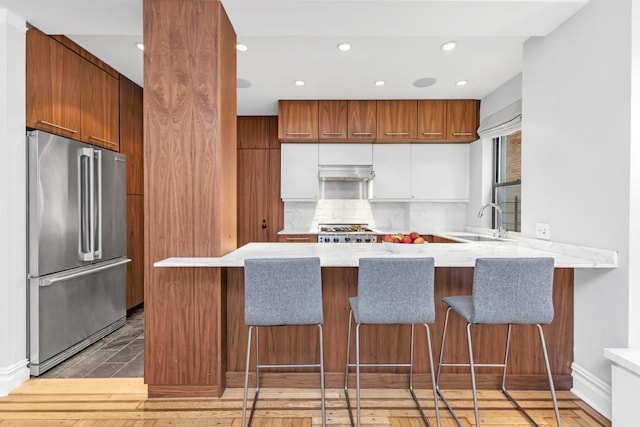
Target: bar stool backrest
395	290
513	290
282	291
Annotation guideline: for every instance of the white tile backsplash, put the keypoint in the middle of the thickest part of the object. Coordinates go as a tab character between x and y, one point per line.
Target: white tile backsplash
388	216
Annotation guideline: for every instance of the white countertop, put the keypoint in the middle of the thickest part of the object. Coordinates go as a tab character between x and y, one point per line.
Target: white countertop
445	254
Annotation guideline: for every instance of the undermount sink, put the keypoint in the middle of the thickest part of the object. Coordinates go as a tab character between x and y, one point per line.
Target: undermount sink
476	237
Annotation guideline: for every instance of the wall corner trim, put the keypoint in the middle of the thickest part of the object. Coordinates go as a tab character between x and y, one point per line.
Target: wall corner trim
8	17
592	390
12	376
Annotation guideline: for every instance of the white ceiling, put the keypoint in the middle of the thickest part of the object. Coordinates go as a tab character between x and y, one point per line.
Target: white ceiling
396	40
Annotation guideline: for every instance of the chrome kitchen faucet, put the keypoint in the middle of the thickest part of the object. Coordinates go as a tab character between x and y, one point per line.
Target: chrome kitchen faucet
501	232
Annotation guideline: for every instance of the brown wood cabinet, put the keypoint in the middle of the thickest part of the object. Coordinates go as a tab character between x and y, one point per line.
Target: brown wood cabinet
397	120
70	92
432	120
131	141
362	125
462	120
99	107
297	120
438	239
53	75
298	238
332	121
135	250
260	209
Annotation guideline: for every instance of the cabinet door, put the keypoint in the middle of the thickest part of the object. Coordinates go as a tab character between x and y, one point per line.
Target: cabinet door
298	121
345	154
462	120
392	174
440	172
397	120
135	250
253	132
332	121
52	86
100	106
299	171
432	120
362	121
131	133
253	196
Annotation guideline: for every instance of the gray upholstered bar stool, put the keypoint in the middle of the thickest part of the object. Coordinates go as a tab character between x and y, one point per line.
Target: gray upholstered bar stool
506	291
392	291
279	292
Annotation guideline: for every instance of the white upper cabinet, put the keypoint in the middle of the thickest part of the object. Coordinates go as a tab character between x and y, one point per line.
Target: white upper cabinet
440	172
345	154
391	165
299	168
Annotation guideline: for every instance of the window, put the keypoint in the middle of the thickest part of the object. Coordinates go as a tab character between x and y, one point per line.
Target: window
506	187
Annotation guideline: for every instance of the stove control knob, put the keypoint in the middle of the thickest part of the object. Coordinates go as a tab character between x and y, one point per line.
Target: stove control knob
326	239
347	239
335	240
358	240
367	240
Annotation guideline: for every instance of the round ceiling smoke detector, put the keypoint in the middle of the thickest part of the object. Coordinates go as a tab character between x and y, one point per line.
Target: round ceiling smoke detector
243	83
425	82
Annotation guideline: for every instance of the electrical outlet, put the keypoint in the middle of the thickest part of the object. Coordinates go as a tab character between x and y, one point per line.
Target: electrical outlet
542	230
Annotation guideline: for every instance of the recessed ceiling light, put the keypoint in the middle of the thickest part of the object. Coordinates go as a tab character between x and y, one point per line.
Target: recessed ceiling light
242	47
379	83
344	46
425	82
461	82
140	46
449	45
299	82
243	83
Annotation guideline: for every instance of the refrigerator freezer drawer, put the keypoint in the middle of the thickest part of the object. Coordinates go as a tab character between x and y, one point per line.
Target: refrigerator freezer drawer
71	310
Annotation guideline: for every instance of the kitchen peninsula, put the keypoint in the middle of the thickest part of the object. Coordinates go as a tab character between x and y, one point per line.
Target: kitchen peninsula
454	275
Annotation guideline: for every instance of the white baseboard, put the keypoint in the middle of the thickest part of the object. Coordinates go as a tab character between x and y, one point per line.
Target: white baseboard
12	376
592	390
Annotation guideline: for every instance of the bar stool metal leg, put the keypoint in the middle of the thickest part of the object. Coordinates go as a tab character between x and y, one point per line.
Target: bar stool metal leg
440	365
546	363
322	394
346	369
473	376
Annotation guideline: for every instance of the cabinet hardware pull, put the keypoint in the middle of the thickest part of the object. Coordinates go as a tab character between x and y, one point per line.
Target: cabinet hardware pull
297	133
396	133
297	238
432	133
102	140
361	133
332	133
57	126
462	134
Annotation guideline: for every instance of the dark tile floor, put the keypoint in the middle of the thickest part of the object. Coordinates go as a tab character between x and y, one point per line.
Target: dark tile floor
118	355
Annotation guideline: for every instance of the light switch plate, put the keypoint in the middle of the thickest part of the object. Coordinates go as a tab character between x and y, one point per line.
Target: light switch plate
542	230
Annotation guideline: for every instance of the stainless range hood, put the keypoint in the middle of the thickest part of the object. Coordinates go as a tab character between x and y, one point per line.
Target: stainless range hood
345	181
345	172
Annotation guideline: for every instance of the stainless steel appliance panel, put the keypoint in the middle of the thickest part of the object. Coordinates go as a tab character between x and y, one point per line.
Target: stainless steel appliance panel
68	307
113	209
54	203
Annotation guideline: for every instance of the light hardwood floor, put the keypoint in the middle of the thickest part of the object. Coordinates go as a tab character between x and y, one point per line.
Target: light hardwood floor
118	402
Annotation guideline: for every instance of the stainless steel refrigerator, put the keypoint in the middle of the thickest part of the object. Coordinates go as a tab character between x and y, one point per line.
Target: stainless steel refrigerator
77	246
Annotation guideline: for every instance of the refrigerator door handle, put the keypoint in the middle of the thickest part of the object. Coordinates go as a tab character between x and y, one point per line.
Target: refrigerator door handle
98	202
53	281
85	204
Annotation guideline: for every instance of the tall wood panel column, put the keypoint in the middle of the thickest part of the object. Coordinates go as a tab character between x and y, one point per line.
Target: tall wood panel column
190	191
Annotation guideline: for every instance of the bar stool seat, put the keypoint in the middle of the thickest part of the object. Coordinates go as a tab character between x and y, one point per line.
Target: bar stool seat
392	291
282	292
506	291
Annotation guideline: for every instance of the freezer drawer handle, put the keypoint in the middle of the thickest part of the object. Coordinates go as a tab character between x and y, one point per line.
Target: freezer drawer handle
55	280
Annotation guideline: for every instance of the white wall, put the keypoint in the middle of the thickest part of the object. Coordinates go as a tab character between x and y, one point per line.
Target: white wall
481	155
13	328
576	96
